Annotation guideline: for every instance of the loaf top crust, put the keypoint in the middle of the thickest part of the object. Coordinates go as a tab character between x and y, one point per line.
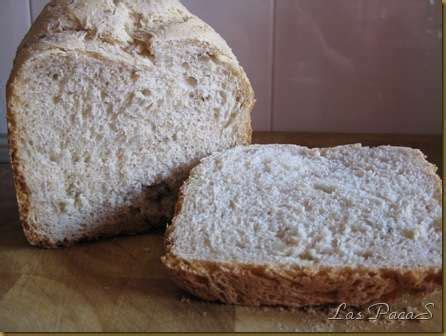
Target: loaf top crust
128	30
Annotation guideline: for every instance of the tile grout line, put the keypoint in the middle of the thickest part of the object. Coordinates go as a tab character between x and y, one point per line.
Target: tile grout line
273	66
30	12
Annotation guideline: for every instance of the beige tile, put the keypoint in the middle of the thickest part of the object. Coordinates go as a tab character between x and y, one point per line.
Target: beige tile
14	22
358	66
247	27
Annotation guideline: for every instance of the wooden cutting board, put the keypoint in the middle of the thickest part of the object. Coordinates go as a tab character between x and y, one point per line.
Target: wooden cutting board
121	285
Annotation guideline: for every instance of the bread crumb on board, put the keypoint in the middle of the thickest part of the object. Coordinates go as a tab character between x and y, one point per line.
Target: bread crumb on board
184	299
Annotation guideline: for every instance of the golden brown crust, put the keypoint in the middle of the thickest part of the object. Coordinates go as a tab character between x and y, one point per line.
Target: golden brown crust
19	178
12	99
256	285
249	130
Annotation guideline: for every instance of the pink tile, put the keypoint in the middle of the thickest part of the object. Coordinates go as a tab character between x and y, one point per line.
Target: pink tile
358	66
247	27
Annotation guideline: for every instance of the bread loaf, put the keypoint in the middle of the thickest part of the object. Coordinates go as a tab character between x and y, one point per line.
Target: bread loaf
110	104
288	225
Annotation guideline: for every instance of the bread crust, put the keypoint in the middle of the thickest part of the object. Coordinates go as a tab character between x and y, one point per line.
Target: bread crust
255	285
289	285
19	178
40	39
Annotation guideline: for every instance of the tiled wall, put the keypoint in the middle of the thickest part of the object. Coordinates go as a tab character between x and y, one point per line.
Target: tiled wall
316	65
15	19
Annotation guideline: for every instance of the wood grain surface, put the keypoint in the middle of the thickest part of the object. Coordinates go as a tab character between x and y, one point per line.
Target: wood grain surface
121	285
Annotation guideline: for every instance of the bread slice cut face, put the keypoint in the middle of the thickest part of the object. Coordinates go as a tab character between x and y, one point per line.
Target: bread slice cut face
289	225
110	104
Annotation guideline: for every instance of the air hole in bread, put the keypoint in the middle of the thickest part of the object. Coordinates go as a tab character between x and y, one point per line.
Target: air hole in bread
325	188
87	112
367	254
62	206
216	113
205	98
307	205
54	157
99	137
134	76
223	96
103	95
308	255
359	173
356	229
267	166
76	157
410	233
78	202
192	81
146	92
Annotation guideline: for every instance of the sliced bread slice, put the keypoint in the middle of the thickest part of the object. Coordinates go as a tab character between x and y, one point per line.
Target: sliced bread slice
110	104
289	225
